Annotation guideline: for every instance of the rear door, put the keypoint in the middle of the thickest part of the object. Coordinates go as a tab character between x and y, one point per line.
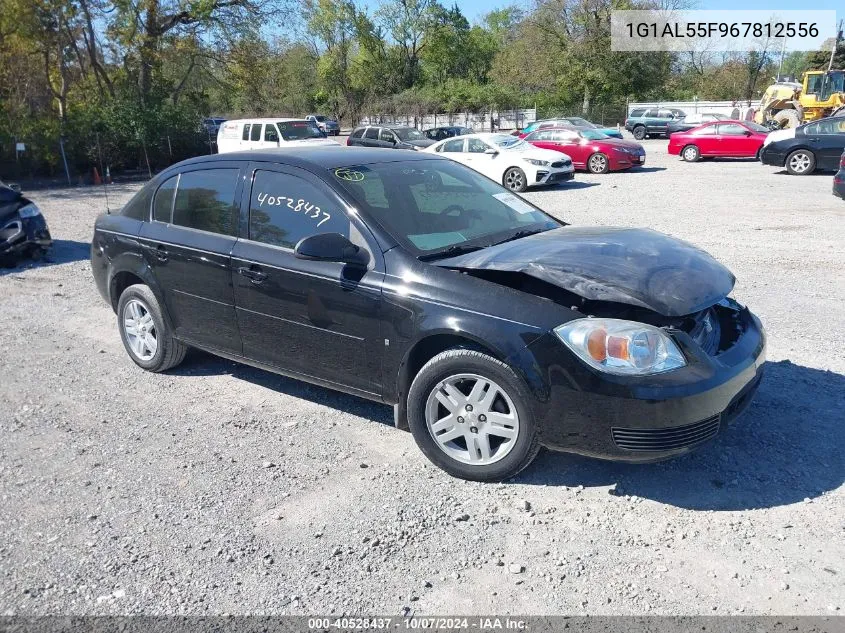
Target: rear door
319	320
370	138
188	246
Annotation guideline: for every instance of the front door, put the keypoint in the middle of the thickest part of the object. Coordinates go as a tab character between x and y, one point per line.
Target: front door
737	140
319	320
188	246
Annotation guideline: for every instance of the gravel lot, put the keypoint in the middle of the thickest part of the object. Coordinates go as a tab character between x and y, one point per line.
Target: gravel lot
217	488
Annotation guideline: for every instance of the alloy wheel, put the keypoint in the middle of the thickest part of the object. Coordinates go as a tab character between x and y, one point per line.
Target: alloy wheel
598	163
514	180
799	162
140	329
472	419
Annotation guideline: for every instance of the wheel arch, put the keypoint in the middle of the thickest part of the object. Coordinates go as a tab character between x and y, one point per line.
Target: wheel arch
129	269
423	350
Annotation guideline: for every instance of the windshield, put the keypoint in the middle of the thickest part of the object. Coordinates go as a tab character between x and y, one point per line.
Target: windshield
298	130
507	142
443	205
409	134
593	135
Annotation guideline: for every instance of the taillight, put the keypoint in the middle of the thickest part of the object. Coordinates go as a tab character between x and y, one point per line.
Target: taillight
349	140
842	161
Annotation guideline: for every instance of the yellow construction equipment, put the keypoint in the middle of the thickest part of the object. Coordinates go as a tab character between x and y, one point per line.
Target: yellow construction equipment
788	105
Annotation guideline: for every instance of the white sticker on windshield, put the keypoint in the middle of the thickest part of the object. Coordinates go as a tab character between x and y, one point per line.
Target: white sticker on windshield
514	202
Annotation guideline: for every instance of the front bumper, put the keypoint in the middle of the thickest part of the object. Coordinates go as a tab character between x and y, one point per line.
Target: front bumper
650	418
19	235
769	157
550	176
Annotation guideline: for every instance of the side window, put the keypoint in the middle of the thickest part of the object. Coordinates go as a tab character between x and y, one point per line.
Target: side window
245	135
386	135
371	133
477	146
357	133
205	200
138	208
828	126
284	208
454	146
665	114
636	113
163	205
566	136
707	130
731	129
271	134
256	132
545	135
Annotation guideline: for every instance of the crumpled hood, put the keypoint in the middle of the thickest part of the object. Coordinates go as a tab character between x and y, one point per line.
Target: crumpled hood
637	267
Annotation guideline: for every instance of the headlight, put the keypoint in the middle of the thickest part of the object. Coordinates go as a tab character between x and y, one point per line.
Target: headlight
29	211
621	347
539	163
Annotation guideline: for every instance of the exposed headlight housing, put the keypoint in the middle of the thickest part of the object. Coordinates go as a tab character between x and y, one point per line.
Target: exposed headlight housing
29	211
538	163
625	348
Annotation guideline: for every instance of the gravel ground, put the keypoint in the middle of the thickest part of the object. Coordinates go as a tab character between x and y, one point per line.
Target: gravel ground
217	488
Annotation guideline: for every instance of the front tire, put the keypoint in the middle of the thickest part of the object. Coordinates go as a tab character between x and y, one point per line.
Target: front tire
515	180
470	415
801	162
598	163
639	132
144	333
691	154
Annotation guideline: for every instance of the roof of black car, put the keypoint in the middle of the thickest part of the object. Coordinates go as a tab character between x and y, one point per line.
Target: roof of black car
316	157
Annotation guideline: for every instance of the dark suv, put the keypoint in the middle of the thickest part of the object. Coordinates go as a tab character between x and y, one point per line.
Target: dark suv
410	279
642	122
389	136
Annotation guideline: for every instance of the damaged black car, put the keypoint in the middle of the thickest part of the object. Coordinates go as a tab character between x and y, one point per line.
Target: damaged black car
23	230
491	327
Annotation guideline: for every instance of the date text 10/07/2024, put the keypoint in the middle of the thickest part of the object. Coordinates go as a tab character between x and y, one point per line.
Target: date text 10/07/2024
680	30
422	623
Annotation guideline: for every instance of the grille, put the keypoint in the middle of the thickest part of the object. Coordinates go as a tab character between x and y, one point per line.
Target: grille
561	163
668	438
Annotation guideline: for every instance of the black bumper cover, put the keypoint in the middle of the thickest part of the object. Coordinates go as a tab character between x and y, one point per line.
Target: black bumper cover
650	418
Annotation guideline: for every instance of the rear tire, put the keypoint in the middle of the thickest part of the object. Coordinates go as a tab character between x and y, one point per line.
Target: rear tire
501	446
515	180
801	162
639	132
144	332
691	154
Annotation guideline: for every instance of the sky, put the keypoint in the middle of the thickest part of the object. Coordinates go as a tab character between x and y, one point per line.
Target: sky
474	9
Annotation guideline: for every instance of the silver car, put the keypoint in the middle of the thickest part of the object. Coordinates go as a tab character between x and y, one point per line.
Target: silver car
329	126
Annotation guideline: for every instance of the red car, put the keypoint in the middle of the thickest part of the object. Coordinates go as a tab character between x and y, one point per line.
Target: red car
590	149
734	139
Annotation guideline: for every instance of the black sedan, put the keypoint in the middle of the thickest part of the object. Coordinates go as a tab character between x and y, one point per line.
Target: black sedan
805	149
439	133
839	179
409	279
23	230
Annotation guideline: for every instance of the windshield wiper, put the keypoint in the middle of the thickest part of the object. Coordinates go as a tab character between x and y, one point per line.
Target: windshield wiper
519	235
456	249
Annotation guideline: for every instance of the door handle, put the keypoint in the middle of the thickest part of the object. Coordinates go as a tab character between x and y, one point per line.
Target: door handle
161	253
253	274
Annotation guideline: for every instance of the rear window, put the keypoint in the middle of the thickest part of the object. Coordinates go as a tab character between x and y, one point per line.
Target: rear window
138	208
205	200
298	130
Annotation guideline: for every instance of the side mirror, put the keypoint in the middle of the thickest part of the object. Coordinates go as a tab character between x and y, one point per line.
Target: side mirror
331	247
491	152
747	133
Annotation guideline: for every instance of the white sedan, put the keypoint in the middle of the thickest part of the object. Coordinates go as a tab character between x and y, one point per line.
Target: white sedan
507	159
